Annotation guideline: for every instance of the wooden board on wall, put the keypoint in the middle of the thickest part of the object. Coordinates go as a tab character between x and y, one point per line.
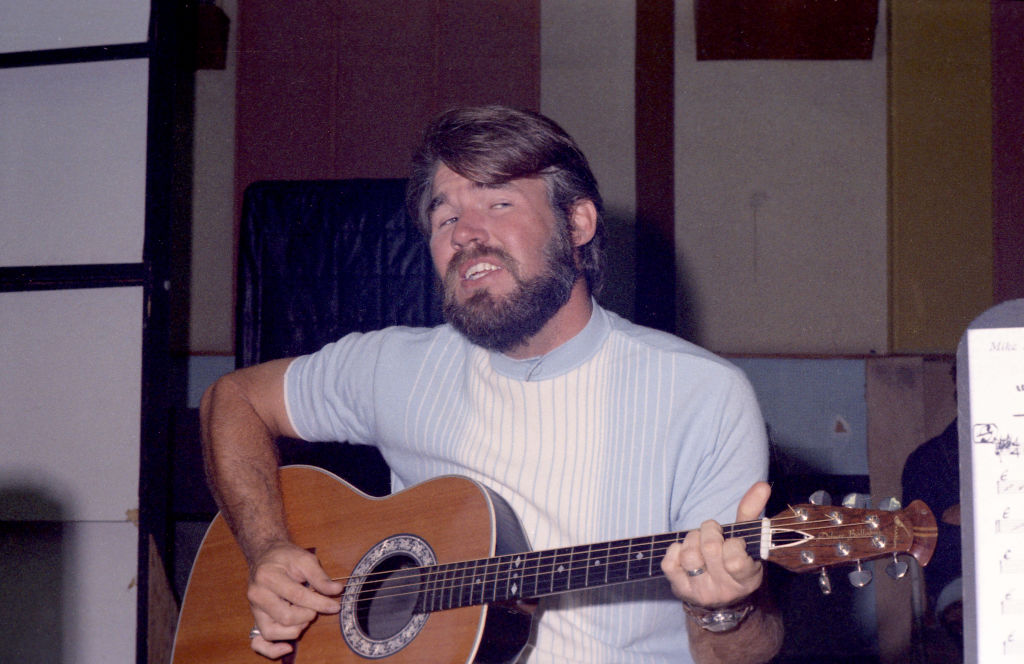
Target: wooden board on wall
940	171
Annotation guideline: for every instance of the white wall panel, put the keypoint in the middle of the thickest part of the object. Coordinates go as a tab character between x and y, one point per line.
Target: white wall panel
100	592
73	163
34	25
588	61
70	394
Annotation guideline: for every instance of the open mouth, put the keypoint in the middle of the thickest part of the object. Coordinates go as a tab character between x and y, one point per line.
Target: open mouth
479	270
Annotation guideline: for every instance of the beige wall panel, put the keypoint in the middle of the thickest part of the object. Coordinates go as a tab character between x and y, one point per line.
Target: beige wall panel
211	323
781	200
588	58
941	171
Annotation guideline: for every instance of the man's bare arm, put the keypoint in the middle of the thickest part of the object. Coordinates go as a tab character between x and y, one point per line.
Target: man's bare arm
241	417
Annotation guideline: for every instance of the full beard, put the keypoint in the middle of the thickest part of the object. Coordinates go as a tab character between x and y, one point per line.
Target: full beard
504	323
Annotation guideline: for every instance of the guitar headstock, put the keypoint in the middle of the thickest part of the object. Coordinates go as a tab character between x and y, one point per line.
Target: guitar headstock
808	538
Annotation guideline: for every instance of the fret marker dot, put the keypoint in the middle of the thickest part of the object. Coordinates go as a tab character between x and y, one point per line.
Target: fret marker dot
596	563
561	568
639	556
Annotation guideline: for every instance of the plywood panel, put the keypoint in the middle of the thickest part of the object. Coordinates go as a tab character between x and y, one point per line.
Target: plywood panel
70	403
895	399
73	163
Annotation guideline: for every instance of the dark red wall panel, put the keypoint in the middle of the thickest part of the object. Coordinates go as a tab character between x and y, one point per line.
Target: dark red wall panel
344	89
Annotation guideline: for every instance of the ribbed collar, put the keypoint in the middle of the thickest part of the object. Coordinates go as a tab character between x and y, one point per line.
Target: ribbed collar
566	357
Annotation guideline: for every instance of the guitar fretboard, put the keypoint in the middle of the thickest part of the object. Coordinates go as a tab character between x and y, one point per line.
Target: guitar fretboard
540	573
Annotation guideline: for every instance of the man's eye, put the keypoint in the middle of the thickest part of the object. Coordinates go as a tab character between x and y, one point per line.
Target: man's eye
445	222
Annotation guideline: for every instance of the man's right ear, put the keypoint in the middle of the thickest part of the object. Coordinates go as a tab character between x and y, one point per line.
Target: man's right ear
583	222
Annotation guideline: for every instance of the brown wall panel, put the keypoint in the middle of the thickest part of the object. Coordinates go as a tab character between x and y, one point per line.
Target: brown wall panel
343	89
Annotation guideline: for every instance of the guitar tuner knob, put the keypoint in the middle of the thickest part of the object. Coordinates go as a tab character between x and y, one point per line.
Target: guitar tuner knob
897	569
820	498
857	500
890	504
824	583
860	577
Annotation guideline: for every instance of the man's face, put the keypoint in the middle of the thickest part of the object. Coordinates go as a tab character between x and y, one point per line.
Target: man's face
506	262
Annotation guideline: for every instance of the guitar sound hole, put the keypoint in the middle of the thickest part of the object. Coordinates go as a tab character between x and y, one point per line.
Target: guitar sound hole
388	599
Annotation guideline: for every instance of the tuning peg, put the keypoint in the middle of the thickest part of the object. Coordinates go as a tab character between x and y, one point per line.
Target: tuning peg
860	577
857	500
824	582
897	569
890	504
820	497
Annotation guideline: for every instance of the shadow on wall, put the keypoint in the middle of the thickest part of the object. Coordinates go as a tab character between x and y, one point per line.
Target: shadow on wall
619	292
33	558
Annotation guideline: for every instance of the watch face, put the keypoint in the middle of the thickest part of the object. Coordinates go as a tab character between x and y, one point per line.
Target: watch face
721	620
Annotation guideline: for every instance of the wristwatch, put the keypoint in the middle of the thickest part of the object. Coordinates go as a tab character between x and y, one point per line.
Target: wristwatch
722	619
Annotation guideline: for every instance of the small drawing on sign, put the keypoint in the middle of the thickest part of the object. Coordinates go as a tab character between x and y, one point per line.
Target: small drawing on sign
1007	446
986	433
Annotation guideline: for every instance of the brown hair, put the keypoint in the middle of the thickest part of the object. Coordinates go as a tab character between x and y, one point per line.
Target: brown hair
496	144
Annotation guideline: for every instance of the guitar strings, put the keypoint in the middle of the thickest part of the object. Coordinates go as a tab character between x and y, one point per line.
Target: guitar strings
662	541
491	570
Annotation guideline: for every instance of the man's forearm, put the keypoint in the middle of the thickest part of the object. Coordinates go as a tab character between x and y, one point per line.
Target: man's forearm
757	639
240	455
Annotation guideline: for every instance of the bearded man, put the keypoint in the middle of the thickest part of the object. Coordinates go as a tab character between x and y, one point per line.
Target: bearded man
590	427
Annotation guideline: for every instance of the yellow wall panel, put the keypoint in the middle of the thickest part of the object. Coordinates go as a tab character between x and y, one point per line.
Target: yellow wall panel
940	240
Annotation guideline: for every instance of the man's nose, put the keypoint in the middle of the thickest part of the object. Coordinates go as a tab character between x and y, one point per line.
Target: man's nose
470	227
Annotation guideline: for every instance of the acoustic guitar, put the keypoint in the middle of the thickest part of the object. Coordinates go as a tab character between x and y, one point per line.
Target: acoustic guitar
433	573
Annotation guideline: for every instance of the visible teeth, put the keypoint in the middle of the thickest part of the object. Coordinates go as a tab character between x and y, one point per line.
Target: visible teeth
479	270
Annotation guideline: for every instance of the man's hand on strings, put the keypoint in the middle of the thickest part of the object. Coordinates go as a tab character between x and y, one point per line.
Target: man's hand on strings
287	590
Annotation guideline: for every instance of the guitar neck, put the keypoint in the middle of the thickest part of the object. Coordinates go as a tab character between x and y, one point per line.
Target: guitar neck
541	573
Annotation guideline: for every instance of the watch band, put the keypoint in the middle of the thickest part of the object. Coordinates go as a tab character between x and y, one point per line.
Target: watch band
722	619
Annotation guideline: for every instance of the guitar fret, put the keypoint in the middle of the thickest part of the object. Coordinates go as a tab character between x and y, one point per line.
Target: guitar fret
477	586
531	572
561	567
617	567
515	576
459	584
638	564
449	584
579	567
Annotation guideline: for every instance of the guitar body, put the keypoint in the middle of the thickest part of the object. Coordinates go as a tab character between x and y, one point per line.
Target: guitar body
450	518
